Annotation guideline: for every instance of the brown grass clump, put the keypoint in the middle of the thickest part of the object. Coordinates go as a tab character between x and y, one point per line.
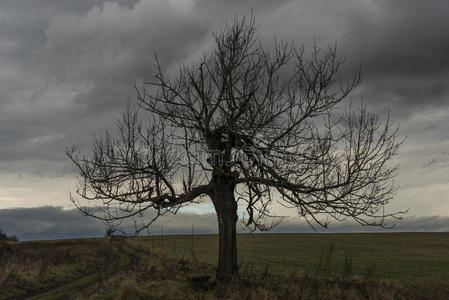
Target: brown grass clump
130	289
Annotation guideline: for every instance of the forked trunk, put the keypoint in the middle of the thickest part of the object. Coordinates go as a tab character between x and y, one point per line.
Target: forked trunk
226	208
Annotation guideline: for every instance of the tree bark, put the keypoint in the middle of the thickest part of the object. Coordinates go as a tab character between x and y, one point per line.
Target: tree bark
226	208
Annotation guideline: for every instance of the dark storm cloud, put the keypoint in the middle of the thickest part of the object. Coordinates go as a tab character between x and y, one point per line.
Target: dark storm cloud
50	222
393	37
23	23
53	222
32	125
408	223
72	61
402	47
67	67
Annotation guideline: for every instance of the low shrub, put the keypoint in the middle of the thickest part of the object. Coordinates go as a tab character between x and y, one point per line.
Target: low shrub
5	237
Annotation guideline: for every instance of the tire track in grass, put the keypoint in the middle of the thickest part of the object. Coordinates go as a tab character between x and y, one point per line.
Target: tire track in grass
122	261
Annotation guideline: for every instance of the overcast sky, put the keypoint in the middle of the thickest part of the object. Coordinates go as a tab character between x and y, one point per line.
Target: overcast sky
67	68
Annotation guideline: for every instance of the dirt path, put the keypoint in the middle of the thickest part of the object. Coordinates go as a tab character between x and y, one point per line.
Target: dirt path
84	285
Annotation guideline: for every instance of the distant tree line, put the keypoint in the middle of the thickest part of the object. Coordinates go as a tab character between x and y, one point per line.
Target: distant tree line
5	237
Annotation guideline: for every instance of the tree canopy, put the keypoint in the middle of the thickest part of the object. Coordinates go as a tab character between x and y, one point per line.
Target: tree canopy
250	125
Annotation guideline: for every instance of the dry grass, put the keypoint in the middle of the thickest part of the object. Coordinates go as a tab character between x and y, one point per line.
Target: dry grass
158	276
129	270
27	267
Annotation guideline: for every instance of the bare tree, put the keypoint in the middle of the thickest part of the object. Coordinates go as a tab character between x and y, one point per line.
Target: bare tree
250	126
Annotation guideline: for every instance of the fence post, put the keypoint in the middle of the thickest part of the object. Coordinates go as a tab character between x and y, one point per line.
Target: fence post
192	239
174	245
162	239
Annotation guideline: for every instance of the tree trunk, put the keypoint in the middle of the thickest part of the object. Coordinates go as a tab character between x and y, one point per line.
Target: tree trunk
226	208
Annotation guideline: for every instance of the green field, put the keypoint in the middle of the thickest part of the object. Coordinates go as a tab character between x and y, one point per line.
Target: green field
410	258
272	266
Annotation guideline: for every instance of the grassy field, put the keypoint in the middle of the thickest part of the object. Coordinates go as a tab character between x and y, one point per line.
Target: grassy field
410	258
272	266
